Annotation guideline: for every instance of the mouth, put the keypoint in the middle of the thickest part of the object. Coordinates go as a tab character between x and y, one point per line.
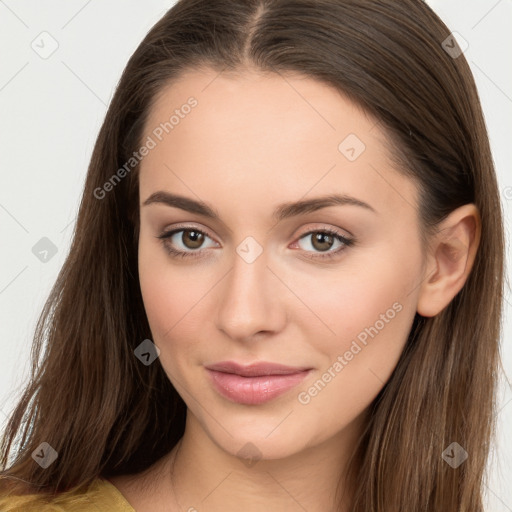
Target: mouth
255	383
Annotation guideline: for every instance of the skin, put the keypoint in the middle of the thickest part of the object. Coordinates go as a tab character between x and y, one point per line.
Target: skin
254	142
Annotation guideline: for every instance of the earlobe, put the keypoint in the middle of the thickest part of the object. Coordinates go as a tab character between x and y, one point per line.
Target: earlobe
452	253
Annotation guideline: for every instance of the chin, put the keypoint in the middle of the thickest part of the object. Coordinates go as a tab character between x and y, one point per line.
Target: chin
262	438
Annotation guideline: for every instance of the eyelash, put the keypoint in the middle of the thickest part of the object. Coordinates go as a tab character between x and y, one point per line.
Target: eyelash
347	242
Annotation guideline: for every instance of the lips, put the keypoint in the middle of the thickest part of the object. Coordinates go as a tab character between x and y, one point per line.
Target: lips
255	383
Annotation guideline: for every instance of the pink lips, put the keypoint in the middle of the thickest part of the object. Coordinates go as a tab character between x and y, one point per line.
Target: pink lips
255	383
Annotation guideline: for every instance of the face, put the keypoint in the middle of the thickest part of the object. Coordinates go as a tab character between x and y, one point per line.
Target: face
327	288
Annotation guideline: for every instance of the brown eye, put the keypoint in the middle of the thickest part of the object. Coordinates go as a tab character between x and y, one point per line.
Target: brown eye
192	239
186	242
322	241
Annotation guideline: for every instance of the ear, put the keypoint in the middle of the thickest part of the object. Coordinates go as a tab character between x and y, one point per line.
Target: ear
451	255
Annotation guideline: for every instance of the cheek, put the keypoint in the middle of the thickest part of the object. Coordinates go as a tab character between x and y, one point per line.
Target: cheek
168	292
371	326
366	314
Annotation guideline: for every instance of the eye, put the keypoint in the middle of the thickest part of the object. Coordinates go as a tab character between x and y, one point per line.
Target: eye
321	242
189	243
185	242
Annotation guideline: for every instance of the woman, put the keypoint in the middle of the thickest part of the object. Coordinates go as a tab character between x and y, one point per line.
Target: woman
284	289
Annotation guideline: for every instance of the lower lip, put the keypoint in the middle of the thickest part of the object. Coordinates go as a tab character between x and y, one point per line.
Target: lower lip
254	390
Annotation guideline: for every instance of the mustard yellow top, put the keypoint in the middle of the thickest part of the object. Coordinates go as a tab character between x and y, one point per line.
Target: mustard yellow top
99	496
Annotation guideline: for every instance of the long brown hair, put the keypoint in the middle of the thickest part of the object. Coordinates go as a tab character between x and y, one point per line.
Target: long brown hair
105	413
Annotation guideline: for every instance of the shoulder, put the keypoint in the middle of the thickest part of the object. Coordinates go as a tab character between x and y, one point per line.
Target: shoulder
100	494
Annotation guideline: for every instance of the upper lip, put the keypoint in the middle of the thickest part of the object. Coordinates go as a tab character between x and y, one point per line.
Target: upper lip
256	369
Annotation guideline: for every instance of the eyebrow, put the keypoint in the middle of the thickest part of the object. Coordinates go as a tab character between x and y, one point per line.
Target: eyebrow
283	211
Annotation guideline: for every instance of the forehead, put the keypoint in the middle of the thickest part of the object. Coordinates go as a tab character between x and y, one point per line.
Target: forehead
247	101
271	135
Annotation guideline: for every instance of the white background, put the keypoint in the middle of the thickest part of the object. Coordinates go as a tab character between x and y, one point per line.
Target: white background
51	110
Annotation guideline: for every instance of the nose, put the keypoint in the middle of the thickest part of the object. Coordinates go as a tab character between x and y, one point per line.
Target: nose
251	300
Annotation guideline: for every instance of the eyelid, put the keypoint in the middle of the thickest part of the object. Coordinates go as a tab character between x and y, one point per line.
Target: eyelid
185	227
314	229
322	227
